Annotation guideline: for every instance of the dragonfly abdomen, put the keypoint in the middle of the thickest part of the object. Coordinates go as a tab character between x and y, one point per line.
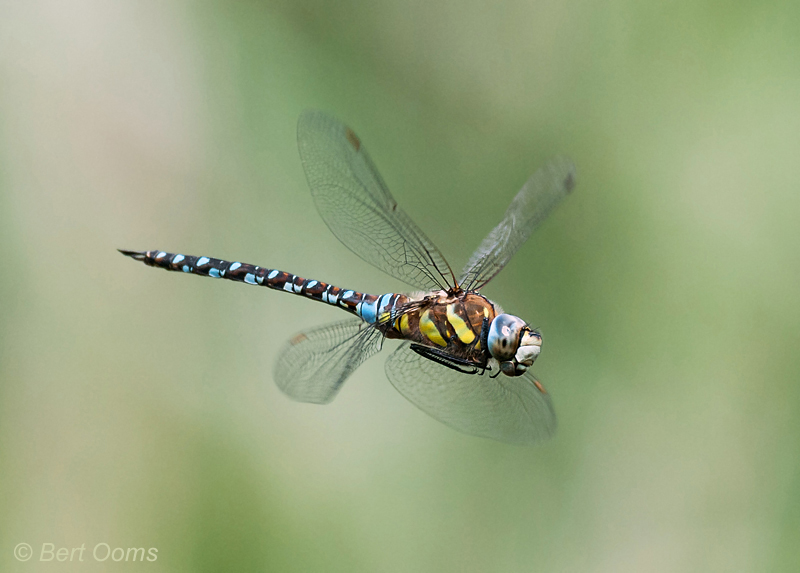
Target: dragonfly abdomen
371	308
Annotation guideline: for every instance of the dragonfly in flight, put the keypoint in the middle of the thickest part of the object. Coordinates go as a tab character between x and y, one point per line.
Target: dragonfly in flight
462	359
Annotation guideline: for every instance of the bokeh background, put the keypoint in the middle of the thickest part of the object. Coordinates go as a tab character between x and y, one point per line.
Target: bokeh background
137	407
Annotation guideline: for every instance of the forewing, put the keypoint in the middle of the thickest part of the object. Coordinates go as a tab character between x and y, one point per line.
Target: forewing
314	364
516	410
538	197
356	205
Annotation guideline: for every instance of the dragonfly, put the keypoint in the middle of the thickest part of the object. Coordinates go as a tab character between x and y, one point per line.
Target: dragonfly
462	360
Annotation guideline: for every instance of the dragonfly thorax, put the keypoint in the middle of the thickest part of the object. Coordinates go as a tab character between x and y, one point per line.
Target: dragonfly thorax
470	327
450	320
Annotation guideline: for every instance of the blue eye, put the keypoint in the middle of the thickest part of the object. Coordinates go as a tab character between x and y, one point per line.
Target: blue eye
504	336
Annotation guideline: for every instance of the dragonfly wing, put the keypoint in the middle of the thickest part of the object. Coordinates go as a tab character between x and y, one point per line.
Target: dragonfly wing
355	203
515	410
538	197
314	364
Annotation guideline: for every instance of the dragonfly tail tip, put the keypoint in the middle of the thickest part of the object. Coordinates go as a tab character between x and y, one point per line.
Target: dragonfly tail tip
137	255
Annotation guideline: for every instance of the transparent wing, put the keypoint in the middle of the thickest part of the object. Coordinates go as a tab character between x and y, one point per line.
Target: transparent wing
534	202
516	410
314	364
354	202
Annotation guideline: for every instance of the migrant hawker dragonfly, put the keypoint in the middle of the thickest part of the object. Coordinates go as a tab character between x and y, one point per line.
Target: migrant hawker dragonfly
462	359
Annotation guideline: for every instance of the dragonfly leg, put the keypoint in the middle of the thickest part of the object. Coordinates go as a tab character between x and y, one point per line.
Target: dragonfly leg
440	357
484	367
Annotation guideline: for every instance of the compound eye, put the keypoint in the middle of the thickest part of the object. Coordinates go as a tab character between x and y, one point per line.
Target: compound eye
504	336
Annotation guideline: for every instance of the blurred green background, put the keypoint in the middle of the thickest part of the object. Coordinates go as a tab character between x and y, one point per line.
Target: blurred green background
137	407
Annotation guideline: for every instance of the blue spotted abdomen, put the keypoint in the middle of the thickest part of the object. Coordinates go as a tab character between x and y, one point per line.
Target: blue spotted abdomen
370	308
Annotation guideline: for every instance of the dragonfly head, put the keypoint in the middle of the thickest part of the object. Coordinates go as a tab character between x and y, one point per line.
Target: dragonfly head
513	344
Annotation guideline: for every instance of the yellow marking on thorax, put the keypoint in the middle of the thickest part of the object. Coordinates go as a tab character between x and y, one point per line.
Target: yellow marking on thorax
463	331
428	328
401	325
